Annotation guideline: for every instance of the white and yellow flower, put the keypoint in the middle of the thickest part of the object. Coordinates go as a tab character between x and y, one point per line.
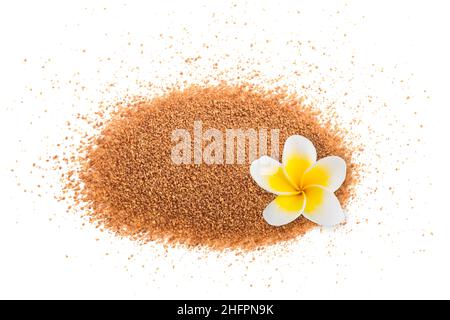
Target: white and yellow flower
303	185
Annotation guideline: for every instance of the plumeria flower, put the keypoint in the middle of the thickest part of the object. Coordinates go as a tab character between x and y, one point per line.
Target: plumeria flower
303	185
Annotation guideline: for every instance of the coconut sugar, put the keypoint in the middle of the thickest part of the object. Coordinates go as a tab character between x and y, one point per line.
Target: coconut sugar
128	184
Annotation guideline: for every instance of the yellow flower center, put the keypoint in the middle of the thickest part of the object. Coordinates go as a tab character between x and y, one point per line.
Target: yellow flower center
300	186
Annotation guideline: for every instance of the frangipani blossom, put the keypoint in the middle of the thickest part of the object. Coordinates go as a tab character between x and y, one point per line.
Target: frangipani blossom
303	185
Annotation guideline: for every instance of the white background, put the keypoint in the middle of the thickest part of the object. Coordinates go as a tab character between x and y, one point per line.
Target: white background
57	58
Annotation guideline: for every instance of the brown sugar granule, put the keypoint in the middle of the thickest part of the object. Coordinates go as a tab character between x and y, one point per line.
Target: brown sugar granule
131	187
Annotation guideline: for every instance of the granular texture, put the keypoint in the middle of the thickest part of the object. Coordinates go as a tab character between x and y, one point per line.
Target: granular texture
129	185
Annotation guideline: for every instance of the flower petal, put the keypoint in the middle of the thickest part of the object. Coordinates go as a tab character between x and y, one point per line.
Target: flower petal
298	155
269	175
322	207
328	172
284	209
